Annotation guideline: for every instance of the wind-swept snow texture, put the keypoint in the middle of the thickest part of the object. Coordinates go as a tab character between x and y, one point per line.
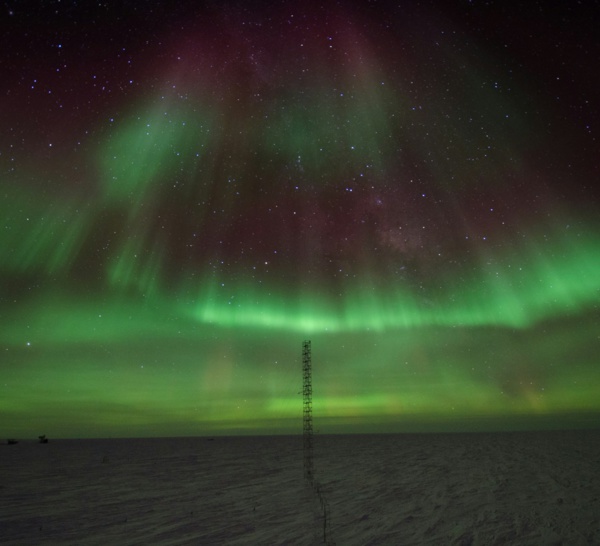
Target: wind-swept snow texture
455	489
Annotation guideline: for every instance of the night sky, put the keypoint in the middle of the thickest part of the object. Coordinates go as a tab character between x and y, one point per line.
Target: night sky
190	190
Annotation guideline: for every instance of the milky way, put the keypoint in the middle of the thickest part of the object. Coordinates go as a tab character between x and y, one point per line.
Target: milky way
188	194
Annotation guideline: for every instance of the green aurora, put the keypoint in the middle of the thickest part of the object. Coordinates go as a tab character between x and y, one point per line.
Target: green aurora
159	281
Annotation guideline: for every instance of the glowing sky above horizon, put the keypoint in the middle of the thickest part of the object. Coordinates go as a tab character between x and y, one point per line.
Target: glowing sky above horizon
189	193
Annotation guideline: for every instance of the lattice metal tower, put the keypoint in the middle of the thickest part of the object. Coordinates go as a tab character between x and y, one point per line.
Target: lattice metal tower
307	424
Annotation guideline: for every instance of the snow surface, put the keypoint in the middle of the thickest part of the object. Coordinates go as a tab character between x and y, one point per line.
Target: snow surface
456	489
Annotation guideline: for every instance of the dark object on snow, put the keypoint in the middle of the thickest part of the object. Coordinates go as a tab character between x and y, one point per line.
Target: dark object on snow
43	439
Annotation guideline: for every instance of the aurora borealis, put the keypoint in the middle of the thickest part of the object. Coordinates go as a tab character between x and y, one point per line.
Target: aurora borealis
189	192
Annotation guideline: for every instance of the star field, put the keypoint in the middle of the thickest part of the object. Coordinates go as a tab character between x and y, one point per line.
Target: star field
188	192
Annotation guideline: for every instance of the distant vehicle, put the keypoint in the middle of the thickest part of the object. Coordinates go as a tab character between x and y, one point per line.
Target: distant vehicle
12	441
43	439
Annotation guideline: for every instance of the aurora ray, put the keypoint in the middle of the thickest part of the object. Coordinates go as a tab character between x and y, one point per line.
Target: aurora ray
412	188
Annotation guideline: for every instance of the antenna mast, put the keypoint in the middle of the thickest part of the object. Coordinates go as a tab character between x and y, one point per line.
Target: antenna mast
307	430
307	423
